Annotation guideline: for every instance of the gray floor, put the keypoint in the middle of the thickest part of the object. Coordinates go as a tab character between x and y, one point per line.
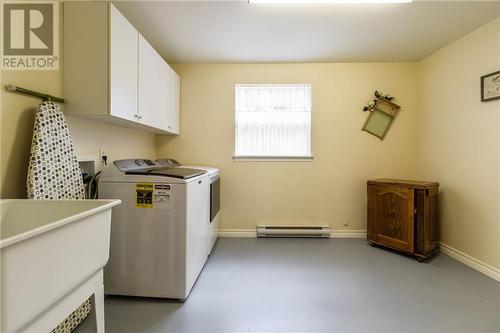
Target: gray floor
307	285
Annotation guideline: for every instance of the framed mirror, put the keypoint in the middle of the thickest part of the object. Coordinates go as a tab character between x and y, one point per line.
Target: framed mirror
380	119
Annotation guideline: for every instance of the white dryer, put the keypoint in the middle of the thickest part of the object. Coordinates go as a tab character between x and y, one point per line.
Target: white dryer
159	234
213	197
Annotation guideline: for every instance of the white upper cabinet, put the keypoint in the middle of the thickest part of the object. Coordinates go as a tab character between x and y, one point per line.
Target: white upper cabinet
154	96
123	67
111	73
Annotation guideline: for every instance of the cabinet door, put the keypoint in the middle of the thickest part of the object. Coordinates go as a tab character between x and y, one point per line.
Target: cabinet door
175	99
426	219
392	217
123	67
154	91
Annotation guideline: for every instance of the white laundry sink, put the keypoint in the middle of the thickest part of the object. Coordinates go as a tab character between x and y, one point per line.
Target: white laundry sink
52	255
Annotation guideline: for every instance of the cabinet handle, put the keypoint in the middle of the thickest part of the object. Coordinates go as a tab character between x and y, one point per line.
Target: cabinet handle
136	116
140	117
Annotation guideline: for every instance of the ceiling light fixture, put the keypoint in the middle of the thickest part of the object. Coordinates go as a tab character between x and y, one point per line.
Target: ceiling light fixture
316	2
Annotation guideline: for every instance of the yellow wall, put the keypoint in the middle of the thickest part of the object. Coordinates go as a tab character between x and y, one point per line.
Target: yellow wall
117	142
16	118
329	190
17	126
459	142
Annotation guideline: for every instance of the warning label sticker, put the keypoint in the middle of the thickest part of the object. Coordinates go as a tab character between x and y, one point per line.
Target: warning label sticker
162	199
152	196
144	195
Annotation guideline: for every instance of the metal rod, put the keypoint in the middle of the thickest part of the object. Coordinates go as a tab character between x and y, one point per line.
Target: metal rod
45	97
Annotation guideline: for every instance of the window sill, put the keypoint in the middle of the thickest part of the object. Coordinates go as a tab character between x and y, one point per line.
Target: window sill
273	158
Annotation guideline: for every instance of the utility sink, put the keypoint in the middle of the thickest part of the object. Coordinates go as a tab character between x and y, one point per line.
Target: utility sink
52	255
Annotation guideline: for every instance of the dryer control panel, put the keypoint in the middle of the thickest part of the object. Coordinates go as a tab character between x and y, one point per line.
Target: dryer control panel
135	164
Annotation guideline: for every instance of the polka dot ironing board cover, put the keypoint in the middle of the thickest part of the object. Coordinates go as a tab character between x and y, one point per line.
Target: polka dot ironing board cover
53	171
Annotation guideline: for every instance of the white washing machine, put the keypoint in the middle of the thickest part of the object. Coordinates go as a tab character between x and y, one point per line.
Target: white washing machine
213	201
159	235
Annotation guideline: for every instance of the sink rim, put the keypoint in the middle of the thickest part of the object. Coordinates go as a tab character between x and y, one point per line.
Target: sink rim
106	204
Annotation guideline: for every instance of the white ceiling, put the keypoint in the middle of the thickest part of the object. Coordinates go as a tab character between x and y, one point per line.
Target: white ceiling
235	31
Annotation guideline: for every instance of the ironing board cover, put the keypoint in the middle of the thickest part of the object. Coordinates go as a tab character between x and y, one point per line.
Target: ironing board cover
53	171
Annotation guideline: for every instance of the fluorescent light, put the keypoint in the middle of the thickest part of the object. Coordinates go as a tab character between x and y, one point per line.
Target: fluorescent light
311	2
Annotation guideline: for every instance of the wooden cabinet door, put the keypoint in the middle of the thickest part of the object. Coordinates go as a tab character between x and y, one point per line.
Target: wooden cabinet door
391	215
154	90
426	219
175	96
123	67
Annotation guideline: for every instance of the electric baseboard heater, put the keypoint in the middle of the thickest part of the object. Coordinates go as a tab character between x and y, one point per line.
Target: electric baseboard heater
320	231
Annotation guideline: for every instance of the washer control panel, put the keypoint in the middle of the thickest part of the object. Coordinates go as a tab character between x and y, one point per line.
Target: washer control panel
135	164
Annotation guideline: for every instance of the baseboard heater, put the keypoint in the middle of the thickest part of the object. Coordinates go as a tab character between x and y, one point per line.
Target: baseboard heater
320	231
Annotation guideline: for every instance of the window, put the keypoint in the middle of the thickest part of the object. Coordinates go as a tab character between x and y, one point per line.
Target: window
273	120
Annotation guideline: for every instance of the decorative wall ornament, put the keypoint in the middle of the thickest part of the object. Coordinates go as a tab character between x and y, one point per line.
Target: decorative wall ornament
381	116
377	96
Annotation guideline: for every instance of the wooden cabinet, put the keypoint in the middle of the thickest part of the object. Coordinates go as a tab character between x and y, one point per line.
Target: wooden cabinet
111	73
402	215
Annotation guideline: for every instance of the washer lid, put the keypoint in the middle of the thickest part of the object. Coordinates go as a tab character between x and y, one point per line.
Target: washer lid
182	173
210	170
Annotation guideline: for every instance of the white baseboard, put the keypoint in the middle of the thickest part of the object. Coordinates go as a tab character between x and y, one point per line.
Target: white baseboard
348	234
253	233
472	262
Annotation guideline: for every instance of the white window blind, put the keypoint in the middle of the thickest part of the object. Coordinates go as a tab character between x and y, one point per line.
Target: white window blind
273	120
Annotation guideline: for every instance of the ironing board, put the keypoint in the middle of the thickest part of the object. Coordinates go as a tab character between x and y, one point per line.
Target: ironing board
54	173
